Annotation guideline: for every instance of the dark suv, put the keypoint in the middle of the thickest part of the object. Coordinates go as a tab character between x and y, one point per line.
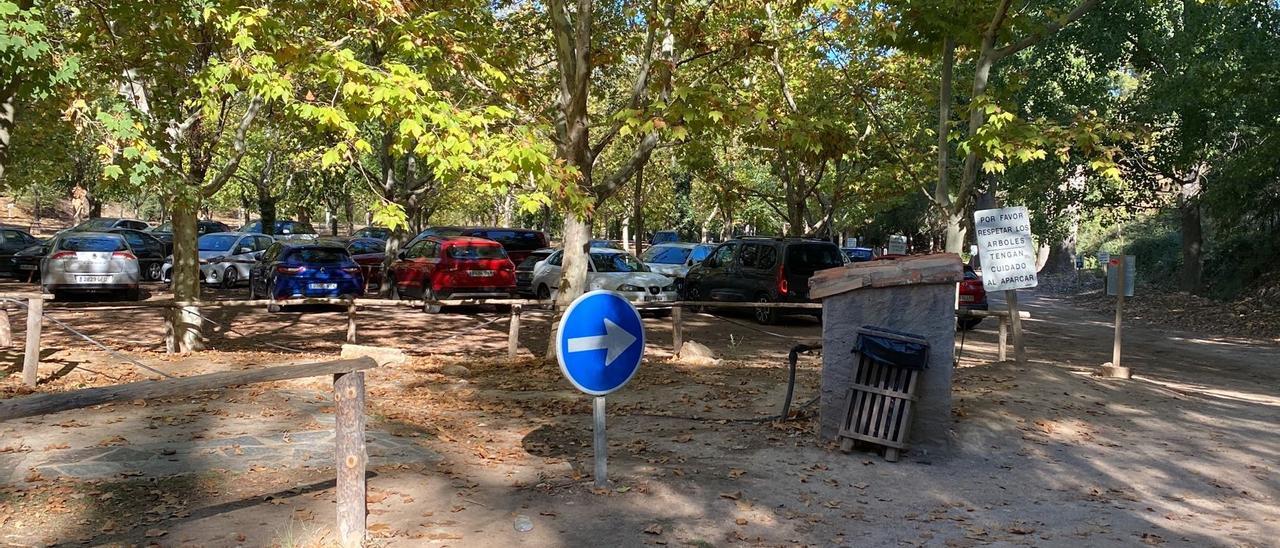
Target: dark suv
763	270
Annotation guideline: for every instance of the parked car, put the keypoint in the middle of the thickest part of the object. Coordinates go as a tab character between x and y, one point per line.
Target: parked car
859	254
13	241
664	237
103	224
519	242
973	296
148	250
284	229
225	257
378	232
611	244
26	263
611	269
164	231
675	259
97	262
765	270
369	254
524	270
305	268
444	267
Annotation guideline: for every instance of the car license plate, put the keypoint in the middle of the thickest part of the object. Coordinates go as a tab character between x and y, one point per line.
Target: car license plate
652	298
480	273
323	286
93	279
966	298
27	267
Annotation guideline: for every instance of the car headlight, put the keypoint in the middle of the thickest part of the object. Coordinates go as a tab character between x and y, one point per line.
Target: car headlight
629	287
671	287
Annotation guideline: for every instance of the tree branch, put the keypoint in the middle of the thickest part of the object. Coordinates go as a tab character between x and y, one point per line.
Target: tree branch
1049	29
239	147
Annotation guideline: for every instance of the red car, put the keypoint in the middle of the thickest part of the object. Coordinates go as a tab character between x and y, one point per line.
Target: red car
972	297
445	267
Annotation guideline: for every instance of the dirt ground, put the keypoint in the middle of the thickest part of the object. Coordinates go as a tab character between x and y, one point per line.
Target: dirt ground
1041	454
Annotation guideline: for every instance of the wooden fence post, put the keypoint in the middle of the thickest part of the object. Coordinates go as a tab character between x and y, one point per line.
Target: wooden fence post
350	458
6	330
513	333
1004	337
351	322
677	329
31	361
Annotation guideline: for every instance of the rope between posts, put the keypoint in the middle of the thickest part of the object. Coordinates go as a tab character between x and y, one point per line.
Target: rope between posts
751	327
129	359
499	318
228	327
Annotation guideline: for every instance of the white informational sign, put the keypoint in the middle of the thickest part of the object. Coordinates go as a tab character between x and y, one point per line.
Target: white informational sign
1104	258
1004	245
897	244
1130	273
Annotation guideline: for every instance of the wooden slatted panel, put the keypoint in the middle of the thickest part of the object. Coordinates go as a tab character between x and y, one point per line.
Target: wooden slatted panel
878	407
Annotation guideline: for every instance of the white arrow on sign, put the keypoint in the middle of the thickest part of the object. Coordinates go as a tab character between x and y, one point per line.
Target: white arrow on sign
615	340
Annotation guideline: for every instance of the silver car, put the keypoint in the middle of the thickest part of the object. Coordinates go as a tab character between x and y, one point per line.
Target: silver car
225	257
96	262
674	259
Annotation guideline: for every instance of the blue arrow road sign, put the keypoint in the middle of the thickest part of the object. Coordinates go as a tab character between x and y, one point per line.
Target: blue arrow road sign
600	342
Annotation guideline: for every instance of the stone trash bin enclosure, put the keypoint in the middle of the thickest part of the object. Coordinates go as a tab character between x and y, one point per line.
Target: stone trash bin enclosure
916	295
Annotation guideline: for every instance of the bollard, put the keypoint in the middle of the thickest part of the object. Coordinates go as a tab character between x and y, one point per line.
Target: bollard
350	458
31	361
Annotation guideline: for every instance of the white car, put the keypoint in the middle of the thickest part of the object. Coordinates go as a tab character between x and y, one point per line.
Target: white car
611	269
225	257
676	258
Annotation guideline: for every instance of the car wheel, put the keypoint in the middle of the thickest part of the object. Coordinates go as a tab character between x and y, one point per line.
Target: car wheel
763	315
694	294
544	295
230	277
428	296
154	272
272	307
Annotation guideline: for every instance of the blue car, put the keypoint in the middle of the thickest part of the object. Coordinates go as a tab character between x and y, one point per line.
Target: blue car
305	269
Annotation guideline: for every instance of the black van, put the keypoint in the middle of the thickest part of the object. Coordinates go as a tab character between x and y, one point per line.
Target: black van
763	270
518	242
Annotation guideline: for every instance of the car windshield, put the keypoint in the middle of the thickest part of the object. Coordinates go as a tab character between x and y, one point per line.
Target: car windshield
617	262
477	252
163	227
92	243
294	227
95	224
666	254
374	232
810	258
320	255
216	242
515	239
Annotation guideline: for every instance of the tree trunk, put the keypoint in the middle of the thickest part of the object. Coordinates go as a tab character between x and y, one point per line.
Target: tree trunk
637	211
8	117
184	324
1192	237
394	243
267	212
577	233
956	232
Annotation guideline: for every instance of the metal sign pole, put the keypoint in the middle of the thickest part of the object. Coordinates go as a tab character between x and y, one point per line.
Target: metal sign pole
1114	369
602	475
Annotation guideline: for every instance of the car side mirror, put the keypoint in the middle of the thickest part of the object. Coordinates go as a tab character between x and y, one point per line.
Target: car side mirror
242	250
400	255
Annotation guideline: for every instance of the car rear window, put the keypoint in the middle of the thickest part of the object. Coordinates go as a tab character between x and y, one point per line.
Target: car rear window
477	252
533	258
92	243
294	227
519	240
666	254
362	247
319	255
216	242
617	262
810	258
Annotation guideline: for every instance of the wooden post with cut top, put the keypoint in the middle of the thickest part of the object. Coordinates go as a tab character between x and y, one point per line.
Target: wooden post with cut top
6	330
1004	337
677	329
1019	351
31	360
351	322
513	333
350	457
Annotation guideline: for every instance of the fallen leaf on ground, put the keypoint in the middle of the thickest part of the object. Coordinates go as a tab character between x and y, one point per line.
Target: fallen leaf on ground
654	529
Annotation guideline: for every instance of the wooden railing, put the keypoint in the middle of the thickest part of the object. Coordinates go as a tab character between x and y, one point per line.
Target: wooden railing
350	458
35	313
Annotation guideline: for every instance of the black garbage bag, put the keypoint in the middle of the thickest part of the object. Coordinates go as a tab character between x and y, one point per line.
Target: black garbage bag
892	348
